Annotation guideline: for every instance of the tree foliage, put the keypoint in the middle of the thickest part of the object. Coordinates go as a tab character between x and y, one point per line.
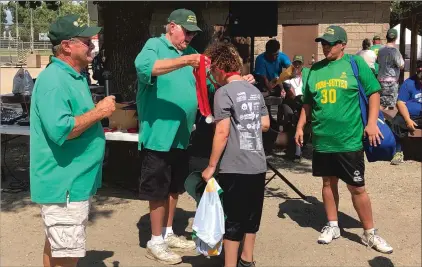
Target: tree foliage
43	14
400	9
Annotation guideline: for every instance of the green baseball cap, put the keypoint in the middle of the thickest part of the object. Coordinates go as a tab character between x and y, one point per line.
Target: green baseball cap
67	27
185	18
298	58
333	34
195	185
392	33
376	37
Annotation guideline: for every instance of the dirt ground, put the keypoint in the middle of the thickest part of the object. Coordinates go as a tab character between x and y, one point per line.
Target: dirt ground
119	223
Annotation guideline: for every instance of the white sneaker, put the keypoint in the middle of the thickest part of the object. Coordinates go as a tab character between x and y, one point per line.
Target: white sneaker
162	254
177	243
328	233
376	242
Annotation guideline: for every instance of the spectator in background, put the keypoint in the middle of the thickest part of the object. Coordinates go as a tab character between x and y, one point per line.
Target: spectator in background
289	113
409	117
368	55
376	41
390	63
269	65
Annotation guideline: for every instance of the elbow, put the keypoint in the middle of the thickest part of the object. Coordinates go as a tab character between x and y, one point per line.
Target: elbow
265	128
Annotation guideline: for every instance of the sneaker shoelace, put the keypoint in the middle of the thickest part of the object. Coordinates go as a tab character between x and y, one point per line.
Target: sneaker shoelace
164	248
329	229
373	237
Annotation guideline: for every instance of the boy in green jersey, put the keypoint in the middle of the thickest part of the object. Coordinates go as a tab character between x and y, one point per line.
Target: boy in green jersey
332	95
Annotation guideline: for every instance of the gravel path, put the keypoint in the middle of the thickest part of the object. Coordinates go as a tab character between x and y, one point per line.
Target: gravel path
119	224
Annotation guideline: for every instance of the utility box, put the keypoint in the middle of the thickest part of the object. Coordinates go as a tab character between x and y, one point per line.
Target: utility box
33	61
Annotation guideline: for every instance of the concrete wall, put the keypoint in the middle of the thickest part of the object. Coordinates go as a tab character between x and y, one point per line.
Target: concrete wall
360	19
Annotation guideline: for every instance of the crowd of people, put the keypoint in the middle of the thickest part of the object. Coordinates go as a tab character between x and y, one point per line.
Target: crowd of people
67	140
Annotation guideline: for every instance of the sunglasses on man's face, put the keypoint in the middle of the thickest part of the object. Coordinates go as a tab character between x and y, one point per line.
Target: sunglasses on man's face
190	33
324	43
85	42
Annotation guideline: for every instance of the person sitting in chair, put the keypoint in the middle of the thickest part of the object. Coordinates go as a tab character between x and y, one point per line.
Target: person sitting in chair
268	67
288	114
409	117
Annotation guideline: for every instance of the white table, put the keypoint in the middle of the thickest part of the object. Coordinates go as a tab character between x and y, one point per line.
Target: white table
112	136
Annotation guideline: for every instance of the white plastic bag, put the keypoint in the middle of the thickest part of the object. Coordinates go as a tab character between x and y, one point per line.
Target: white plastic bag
208	224
22	82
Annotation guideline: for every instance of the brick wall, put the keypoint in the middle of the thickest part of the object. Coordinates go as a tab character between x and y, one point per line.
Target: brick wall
360	19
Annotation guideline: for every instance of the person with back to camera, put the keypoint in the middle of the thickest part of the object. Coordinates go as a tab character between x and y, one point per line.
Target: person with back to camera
241	116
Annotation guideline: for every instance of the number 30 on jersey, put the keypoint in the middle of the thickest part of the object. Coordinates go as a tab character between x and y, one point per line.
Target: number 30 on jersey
328	96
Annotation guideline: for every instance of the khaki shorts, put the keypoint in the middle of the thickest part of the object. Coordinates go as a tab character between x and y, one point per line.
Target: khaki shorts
65	225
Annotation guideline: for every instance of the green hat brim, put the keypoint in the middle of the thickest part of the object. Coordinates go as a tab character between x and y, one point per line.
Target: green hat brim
191	27
328	38
192	183
89	32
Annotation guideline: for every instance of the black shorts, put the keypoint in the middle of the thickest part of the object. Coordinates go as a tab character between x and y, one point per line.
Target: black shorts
162	173
348	166
243	198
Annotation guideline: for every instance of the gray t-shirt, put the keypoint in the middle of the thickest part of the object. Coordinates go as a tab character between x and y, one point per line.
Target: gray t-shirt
389	60
244	105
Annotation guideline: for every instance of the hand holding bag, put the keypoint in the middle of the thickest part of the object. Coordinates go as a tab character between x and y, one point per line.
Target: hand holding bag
386	150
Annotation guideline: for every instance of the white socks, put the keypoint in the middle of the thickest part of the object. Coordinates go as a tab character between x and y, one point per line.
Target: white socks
160	239
166	231
157	239
369	231
333	223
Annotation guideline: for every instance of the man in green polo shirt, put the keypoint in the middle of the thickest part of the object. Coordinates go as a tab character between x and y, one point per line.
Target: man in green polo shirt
167	106
66	142
332	95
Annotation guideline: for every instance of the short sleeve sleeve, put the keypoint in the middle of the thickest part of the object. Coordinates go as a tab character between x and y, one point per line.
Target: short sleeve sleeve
404	94
145	61
264	109
55	114
284	61
260	66
222	105
367	77
307	96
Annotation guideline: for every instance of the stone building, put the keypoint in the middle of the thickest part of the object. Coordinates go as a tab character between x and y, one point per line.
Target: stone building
299	23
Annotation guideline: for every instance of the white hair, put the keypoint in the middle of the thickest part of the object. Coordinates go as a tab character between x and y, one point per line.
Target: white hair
56	49
167	27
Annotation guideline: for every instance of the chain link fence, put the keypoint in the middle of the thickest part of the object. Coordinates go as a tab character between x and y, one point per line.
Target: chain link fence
14	51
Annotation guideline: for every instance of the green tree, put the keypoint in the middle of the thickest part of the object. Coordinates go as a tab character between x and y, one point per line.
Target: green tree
43	14
400	9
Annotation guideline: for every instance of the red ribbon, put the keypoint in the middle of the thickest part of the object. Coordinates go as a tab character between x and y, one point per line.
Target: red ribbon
201	88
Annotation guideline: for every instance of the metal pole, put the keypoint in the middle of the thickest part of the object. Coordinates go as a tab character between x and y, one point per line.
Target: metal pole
87	8
17	21
32	33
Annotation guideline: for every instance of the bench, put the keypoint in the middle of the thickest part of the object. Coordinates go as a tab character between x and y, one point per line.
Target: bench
412	146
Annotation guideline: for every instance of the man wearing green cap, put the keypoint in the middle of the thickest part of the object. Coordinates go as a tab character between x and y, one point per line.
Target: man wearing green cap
292	105
376	44
167	106
66	142
390	63
332	95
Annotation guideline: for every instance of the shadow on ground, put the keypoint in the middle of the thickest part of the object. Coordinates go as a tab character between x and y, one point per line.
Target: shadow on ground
96	258
182	226
312	215
381	261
